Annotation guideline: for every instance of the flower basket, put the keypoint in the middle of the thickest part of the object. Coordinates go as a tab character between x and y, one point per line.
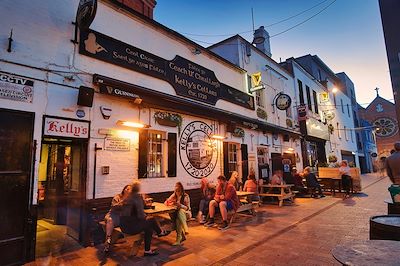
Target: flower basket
331	129
238	132
332	159
165	122
262	113
168	119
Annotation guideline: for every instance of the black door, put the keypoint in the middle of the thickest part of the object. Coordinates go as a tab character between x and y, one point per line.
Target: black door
16	147
276	159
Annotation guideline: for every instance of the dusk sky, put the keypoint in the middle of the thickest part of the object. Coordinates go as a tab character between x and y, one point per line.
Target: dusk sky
347	35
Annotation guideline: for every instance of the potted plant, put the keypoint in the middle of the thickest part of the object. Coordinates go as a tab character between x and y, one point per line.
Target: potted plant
262	113
332	158
168	119
331	129
238	132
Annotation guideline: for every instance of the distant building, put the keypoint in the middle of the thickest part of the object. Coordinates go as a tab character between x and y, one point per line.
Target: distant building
381	113
390	10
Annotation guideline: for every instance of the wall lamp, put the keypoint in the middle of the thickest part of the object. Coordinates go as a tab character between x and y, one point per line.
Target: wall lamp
132	124
219	137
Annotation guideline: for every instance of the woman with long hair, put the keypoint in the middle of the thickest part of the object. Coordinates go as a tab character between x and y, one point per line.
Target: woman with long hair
119	207
207	194
182	202
236	180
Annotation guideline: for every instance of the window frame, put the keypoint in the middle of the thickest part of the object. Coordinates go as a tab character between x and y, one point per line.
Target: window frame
150	154
234	155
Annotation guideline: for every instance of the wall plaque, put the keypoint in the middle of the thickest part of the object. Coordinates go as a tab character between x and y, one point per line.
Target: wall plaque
117	144
186	77
16	88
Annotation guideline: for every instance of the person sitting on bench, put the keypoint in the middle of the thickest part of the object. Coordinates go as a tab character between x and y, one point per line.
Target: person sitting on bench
226	199
344	171
182	201
312	182
251	185
207	194
119	206
137	221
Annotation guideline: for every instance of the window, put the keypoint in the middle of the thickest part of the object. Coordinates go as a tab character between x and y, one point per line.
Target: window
348	110
319	75
334	100
345	133
301	93
351	136
232	157
259	98
308	98
341	104
248	82
155	155
315	102
338	130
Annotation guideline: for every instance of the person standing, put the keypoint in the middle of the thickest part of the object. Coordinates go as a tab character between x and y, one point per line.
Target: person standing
344	171
393	165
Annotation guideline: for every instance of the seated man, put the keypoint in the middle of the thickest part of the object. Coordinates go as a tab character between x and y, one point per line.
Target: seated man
297	181
226	199
312	182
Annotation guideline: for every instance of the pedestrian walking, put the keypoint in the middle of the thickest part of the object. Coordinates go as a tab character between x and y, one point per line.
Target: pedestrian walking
393	165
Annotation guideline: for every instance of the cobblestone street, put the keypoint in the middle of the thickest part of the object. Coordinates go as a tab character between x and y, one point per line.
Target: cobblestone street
300	234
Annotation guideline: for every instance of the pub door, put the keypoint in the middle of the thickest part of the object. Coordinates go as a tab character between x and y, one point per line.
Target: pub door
61	187
276	159
16	151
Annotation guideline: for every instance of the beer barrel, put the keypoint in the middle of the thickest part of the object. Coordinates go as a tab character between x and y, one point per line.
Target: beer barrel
384	227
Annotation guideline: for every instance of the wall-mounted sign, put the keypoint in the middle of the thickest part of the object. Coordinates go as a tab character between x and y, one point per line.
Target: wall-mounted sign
256	83
329	115
86	13
64	127
186	77
283	101
324	97
197	150
16	88
317	129
302	112
117	144
80	113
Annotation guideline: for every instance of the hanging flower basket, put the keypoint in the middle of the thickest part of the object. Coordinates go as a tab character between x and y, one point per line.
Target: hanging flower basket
332	158
238	132
168	119
262	113
289	123
331	129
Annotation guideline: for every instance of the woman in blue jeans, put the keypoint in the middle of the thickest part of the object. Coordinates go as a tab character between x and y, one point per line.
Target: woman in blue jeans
208	193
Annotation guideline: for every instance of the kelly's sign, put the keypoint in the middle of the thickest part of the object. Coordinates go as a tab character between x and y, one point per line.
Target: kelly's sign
58	127
186	77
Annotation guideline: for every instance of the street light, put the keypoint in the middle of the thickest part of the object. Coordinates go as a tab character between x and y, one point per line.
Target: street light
335	90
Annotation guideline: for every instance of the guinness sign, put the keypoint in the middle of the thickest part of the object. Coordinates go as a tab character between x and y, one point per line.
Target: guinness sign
86	13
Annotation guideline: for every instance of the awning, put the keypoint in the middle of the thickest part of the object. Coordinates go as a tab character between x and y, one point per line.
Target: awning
157	99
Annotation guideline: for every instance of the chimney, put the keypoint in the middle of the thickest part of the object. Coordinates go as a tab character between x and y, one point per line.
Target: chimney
261	39
144	7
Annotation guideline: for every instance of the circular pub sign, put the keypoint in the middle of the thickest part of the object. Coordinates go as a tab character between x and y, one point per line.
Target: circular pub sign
197	150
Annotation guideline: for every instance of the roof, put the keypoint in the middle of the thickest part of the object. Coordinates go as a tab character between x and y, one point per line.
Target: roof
237	36
378	98
174	33
321	63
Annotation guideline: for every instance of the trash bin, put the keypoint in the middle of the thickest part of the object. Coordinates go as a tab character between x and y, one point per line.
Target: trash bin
384	227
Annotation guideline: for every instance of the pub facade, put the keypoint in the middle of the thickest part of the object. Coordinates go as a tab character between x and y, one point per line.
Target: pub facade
89	106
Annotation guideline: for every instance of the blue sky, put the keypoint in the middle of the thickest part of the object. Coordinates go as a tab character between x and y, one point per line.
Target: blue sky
347	36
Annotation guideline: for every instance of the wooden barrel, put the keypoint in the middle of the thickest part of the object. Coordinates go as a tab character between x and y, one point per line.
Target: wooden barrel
384	227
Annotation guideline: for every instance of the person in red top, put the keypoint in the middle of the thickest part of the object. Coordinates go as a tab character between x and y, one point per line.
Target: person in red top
226	199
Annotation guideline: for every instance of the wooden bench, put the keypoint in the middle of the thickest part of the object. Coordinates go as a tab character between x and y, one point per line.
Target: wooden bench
280	196
136	239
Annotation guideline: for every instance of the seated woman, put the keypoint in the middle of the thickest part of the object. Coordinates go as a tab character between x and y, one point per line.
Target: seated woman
251	185
236	180
312	182
119	206
208	193
182	201
344	171
137	221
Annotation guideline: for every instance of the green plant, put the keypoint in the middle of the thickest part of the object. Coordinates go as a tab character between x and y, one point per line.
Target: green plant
172	119
262	113
238	132
331	129
332	158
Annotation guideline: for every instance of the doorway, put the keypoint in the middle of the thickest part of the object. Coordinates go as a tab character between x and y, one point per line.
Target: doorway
16	152
61	191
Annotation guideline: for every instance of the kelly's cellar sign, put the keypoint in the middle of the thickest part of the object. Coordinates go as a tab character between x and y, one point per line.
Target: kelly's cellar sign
59	127
16	88
186	77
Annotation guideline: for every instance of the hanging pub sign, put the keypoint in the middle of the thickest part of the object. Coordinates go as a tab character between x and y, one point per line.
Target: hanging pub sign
256	83
186	77
324	97
302	112
16	88
283	101
86	13
64	127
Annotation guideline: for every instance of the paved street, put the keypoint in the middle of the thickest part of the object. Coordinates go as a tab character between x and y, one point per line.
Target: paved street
299	234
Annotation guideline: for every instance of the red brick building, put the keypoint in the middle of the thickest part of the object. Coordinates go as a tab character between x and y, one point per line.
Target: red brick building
382	114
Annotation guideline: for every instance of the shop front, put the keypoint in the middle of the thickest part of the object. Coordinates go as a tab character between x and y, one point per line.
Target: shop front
61	182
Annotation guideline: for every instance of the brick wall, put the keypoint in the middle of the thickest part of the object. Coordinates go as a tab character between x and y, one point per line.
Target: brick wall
144	7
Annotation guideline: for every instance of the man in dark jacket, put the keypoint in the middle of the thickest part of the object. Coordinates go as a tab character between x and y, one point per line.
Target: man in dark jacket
312	182
393	165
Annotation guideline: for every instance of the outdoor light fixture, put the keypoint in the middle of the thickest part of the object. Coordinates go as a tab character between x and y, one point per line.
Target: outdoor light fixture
219	137
290	149
335	90
132	124
196	51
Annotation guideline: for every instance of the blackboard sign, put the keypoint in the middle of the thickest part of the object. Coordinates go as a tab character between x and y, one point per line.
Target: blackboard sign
186	77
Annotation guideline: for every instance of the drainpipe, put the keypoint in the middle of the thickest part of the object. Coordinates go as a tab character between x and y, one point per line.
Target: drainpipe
95	166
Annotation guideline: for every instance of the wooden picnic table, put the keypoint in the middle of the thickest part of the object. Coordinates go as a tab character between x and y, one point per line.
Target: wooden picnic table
244	194
159	208
285	192
368	252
